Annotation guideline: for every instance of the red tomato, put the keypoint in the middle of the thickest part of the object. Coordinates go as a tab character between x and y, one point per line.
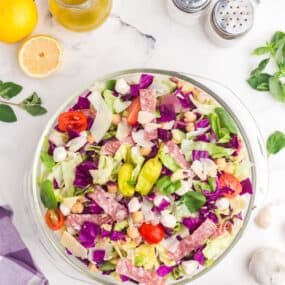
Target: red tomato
54	219
133	110
72	120
152	234
228	180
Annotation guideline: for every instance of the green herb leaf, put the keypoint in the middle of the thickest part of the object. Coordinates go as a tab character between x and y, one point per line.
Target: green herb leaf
107	265
32	105
260	67
277	40
47	195
262	50
260	81
47	161
277	89
275	142
194	201
110	84
9	90
7	114
226	120
215	123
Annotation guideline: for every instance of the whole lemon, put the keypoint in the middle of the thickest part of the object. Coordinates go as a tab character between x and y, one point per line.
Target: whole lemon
18	19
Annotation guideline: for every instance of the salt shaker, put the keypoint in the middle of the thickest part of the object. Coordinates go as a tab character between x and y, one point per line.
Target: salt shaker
188	12
229	20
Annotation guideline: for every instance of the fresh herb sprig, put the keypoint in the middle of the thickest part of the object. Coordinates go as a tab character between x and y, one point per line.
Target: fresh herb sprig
263	81
32	104
275	142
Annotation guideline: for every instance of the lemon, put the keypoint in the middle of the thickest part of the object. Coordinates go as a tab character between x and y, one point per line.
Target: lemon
18	19
40	56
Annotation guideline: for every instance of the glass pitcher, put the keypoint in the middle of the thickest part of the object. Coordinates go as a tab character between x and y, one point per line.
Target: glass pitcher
80	15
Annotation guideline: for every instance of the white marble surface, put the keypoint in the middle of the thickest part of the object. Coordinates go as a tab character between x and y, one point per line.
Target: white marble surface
140	34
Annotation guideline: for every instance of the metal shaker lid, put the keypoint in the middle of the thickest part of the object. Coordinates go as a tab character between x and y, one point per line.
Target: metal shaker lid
191	6
233	18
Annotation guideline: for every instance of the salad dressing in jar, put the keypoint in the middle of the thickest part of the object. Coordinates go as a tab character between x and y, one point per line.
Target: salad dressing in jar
80	15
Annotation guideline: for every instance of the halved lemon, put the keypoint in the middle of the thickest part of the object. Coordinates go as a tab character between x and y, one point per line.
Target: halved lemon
40	56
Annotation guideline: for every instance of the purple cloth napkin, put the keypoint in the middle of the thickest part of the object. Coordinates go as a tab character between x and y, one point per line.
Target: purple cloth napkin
16	264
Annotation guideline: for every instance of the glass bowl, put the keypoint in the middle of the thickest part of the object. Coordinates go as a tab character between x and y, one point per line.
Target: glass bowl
48	241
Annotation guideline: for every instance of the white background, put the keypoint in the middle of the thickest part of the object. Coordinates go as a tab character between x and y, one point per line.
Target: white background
117	46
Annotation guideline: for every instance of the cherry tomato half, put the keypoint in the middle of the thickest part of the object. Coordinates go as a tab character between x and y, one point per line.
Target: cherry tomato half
133	111
228	180
54	219
152	234
72	120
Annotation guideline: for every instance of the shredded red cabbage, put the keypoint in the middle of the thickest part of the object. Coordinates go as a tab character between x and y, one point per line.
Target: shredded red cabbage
164	135
82	102
204	123
163	205
98	255
163	270
115	236
199	256
246	187
167	113
51	147
88	233
92	208
82	176
198	154
192	223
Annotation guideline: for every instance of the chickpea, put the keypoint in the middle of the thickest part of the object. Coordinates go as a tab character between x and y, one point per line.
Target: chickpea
133	232
144	151
221	163
112	188
137	217
175	141
186	88
202	98
106	227
92	267
77	208
230	168
81	199
116	119
114	261
90	139
190	117
190	127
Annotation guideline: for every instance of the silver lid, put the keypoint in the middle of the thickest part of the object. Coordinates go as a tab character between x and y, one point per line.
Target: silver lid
191	6
233	18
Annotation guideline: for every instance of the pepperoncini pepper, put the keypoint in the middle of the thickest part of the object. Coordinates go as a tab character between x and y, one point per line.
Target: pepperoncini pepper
124	180
148	176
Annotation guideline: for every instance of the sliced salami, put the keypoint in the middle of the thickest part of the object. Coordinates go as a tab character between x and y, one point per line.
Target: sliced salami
147	100
110	147
192	242
109	204
176	154
76	220
148	104
144	277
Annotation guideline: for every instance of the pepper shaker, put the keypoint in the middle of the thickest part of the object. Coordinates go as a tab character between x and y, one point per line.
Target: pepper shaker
188	12
229	21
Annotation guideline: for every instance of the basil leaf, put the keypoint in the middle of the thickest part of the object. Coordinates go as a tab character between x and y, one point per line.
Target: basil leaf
47	161
259	81
7	114
215	123
194	201
9	90
275	142
277	89
32	105
262	50
226	120
47	194
110	85
277	40
260	67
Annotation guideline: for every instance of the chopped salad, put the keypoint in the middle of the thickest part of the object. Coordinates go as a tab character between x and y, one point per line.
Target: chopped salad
146	178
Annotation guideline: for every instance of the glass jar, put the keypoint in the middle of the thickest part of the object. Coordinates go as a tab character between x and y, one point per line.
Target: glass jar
80	15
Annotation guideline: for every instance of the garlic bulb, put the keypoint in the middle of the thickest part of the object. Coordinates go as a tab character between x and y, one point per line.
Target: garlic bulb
267	266
264	217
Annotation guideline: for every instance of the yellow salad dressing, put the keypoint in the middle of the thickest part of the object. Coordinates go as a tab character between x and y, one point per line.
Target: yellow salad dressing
80	15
